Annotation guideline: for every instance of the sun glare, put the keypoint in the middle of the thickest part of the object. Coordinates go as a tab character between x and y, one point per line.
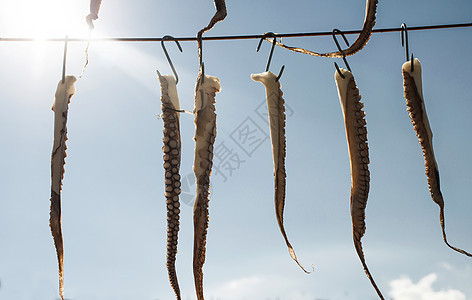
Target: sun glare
43	19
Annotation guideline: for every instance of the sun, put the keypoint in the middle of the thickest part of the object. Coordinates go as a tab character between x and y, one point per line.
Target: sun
41	19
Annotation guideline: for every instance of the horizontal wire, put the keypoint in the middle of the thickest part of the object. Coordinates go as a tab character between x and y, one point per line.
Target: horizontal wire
232	37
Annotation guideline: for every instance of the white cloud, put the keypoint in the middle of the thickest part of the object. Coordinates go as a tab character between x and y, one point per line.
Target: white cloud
260	287
404	289
447	266
240	288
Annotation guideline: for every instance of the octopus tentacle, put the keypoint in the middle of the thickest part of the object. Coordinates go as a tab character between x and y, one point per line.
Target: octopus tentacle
64	93
94	8
356	134
416	108
276	107
219	15
205	133
359	43
172	158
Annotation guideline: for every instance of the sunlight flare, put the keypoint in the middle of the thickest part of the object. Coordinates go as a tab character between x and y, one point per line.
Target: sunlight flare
44	19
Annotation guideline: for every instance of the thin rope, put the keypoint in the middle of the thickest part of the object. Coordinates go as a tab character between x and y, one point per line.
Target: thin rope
233	37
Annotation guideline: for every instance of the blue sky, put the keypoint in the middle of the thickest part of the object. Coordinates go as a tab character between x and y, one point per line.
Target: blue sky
113	203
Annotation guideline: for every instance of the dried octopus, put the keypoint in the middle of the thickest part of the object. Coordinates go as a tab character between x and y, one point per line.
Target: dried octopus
205	133
220	15
356	134
172	158
414	100
276	108
94	8
65	90
359	43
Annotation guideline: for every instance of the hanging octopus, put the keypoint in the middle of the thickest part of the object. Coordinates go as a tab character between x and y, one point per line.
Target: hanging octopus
219	15
356	134
172	155
205	133
414	100
275	105
359	43
94	8
65	90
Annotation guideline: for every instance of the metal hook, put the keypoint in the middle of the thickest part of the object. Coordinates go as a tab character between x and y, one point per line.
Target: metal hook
272	35
337	31
405	32
64	60
200	48
200	54
165	38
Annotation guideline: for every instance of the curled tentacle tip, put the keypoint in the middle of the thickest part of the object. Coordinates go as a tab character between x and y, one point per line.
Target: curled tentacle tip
294	257
304	270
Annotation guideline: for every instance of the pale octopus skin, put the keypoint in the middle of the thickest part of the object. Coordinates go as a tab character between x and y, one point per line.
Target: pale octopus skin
94	8
276	108
356	134
172	159
60	107
412	86
205	134
359	43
